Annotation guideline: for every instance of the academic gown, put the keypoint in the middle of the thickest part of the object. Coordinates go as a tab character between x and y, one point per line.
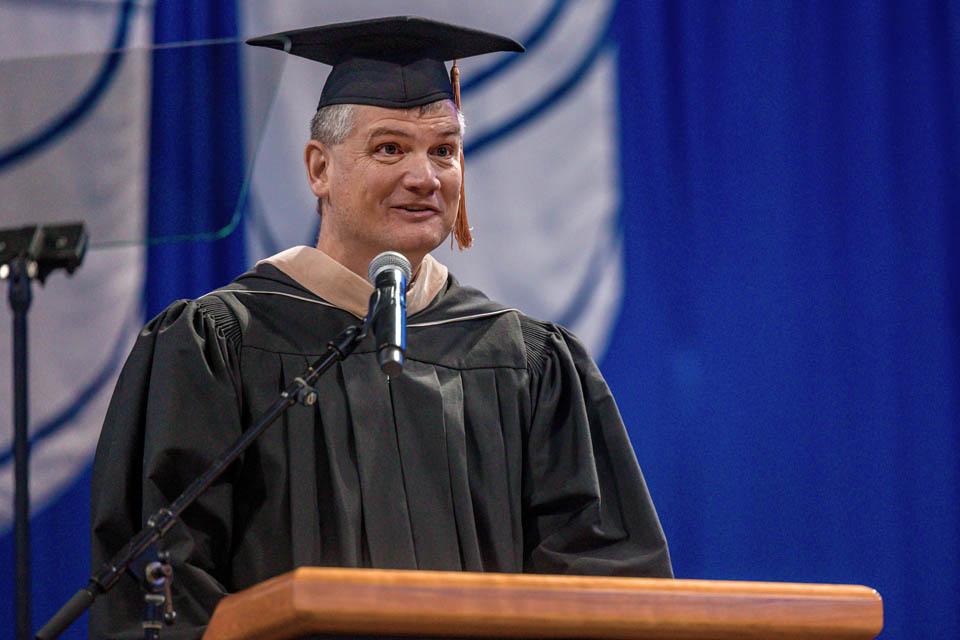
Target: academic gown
499	448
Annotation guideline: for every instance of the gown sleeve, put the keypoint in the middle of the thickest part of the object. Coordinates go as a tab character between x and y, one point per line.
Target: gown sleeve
587	509
176	406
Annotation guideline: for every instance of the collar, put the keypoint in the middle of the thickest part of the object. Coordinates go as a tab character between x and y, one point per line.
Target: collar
325	277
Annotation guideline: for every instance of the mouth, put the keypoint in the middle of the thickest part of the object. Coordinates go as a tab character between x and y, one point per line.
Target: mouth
416	210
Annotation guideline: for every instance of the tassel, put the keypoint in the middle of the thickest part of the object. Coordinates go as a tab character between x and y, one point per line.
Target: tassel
461	227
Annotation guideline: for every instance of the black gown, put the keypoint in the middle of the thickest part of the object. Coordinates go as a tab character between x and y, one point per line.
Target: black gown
499	448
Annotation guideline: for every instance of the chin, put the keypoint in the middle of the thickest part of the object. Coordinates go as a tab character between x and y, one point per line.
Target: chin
415	251
413	244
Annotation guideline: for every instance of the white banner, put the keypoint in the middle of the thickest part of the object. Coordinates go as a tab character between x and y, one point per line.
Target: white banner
73	146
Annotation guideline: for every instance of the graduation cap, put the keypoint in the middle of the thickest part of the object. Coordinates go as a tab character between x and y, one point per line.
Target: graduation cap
396	62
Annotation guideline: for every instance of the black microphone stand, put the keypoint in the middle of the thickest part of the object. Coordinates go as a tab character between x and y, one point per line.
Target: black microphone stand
27	254
20	297
153	567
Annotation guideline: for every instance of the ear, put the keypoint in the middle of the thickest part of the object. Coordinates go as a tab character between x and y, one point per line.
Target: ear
316	157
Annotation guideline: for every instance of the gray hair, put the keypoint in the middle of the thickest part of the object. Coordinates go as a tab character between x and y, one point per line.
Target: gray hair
332	124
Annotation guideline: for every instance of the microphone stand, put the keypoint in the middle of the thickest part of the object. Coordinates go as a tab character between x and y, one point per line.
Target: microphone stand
20	297
141	550
27	254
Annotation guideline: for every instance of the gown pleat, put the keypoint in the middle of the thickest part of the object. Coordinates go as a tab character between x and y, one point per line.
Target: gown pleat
419	416
492	485
386	508
341	514
450	385
302	458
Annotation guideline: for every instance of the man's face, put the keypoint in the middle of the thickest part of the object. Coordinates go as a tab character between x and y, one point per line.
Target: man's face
392	184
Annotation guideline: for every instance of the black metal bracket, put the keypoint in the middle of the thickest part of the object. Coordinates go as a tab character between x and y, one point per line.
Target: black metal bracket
43	249
155	573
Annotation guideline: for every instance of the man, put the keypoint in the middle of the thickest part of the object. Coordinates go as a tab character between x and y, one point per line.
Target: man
499	448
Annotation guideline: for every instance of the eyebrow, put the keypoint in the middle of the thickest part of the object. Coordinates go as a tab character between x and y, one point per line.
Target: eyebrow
397	133
386	131
452	132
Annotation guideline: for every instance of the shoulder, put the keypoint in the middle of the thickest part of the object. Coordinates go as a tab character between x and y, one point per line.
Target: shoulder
225	311
549	345
205	319
262	287
495	327
218	312
266	309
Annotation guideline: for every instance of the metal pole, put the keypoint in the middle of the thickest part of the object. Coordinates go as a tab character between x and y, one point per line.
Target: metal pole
20	298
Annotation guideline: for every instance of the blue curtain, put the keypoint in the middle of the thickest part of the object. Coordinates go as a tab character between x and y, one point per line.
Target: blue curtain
787	355
196	154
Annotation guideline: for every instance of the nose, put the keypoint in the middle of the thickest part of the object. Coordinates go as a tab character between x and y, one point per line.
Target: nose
420	175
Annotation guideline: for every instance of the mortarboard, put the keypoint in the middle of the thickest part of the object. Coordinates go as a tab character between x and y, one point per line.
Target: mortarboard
396	62
386	62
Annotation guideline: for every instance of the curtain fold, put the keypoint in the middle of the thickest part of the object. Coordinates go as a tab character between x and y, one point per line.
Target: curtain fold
197	165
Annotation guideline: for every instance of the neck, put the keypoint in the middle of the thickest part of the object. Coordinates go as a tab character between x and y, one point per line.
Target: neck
359	261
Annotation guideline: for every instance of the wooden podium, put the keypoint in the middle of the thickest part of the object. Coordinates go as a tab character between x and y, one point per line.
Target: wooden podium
371	602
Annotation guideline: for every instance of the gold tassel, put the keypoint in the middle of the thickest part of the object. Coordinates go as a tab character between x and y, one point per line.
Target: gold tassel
461	228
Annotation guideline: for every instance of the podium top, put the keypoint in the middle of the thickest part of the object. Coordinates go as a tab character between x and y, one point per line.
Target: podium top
453	604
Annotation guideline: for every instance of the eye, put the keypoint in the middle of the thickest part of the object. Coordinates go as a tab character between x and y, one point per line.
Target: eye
445	151
389	148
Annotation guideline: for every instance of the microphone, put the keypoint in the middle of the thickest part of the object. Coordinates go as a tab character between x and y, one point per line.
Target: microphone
389	273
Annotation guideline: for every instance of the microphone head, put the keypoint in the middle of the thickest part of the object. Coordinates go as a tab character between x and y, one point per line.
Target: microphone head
389	260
